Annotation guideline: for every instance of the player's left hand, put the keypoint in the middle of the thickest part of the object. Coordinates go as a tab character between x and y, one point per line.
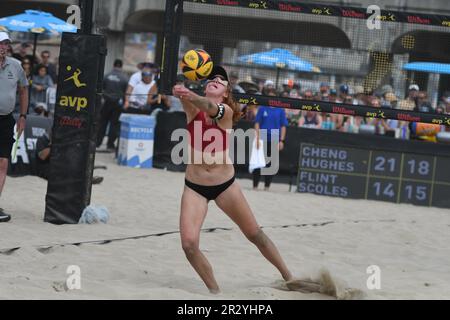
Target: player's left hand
181	92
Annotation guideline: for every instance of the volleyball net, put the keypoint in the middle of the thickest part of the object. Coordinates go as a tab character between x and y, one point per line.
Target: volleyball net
354	61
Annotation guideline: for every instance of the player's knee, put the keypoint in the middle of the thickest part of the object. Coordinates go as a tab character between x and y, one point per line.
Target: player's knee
190	245
257	237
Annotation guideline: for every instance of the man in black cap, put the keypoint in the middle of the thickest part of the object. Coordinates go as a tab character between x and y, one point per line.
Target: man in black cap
235	87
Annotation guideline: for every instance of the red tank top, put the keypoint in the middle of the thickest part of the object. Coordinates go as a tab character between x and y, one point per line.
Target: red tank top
205	132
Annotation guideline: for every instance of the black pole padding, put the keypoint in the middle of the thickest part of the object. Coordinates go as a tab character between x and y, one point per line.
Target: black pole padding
87	12
171	43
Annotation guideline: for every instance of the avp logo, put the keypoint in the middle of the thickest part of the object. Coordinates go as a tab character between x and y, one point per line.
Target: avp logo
75	77
258	5
251	100
381	114
322	11
314	107
70	101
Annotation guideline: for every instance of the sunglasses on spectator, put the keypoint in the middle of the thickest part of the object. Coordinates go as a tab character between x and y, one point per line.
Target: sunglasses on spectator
219	80
147	74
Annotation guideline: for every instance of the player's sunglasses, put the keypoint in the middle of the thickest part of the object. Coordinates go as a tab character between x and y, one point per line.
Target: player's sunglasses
219	80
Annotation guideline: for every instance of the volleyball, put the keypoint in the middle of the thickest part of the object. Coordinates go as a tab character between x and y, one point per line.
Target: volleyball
196	64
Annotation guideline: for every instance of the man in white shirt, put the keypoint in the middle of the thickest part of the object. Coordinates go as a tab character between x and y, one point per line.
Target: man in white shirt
136	78
141	97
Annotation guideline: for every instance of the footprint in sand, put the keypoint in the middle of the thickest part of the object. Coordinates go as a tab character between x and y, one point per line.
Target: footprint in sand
60	286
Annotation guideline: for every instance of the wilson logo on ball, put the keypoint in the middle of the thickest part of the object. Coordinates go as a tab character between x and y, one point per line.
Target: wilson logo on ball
196	64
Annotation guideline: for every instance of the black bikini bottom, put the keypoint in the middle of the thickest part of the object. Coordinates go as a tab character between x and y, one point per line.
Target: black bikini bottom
210	192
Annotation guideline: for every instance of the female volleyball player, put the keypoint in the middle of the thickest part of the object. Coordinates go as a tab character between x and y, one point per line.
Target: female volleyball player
208	181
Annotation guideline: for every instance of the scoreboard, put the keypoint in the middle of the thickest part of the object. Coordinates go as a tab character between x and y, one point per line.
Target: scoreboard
360	173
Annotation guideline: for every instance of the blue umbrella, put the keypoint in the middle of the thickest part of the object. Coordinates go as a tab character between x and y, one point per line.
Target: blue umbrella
430	67
280	59
36	22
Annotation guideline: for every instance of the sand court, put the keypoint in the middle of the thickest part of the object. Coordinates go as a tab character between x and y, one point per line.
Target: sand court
138	254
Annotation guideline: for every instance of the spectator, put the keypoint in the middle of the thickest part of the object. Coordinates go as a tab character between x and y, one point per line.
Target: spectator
234	79
51	68
350	123
269	87
40	83
359	97
23	53
134	80
440	109
424	106
114	88
41	109
317	96
294	115
386	89
308	94
250	110
324	89
288	85
421	99
284	94
445	102
348	100
43	146
380	124
310	119
333	96
138	101
391	100
26	65
334	121
274	121
410	102
43	152
343	93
